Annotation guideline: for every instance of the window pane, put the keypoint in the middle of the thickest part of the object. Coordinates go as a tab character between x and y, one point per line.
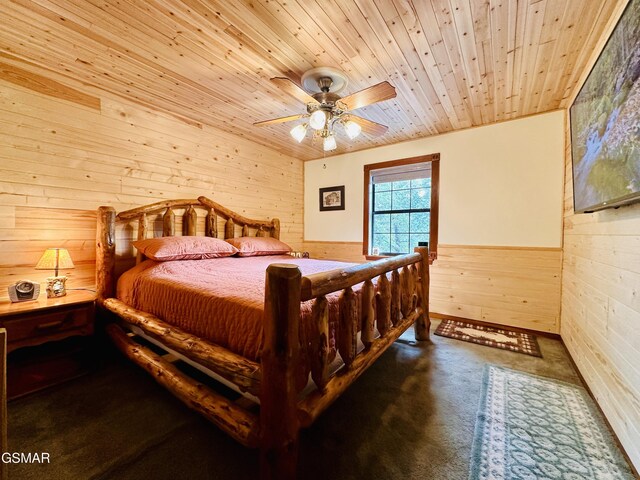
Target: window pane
400	223
381	223
382	201
419	222
421	183
383	187
420	237
399	243
420	197
402	184
382	242
398	220
401	199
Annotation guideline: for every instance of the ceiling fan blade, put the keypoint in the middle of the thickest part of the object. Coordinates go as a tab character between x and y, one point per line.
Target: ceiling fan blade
280	120
370	128
293	89
374	94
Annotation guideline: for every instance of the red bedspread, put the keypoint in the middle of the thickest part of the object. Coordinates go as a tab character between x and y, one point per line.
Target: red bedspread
220	299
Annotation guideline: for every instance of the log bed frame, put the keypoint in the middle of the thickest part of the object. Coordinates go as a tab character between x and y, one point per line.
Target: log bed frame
278	379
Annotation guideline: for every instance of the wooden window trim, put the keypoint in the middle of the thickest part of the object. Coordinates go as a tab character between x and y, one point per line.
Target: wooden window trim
434	158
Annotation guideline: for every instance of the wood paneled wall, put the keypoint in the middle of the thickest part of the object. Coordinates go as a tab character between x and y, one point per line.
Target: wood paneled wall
516	286
343	251
61	158
600	321
601	309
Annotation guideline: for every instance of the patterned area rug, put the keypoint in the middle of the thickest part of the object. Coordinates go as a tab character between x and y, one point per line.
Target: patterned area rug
489	336
530	427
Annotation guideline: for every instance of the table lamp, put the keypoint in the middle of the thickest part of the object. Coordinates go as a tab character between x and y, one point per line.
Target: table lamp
54	259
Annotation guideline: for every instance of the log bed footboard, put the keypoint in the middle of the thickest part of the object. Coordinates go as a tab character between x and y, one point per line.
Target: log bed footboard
394	306
394	295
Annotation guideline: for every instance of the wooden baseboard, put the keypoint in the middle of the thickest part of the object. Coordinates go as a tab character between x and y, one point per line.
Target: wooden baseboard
443	316
606	420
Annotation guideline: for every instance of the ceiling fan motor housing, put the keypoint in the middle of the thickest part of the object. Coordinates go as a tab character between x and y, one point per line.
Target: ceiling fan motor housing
325	83
313	80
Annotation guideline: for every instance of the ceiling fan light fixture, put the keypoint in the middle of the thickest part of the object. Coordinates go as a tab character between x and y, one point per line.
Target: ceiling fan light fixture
329	143
352	129
318	119
325	107
299	131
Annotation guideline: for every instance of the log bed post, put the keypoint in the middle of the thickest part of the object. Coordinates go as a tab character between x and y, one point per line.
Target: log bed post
211	225
169	223
189	221
275	229
279	423
105	253
142	234
423	322
229	229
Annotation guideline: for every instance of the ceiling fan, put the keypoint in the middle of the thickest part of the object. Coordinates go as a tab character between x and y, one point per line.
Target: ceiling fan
325	108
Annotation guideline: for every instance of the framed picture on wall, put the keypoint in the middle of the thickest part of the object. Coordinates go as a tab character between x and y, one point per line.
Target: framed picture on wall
332	198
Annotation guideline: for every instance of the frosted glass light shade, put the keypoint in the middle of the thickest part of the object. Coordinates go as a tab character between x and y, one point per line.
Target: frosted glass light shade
318	119
54	259
352	129
299	131
329	143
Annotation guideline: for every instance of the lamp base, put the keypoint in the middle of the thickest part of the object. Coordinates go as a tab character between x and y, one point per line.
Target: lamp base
56	287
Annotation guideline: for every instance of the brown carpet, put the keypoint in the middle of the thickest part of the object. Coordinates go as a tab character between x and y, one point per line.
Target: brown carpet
394	423
489	336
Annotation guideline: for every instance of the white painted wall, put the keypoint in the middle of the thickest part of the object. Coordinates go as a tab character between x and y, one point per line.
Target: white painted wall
500	184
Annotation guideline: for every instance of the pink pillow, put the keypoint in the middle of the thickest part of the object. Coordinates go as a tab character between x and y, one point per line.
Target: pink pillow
163	249
254	246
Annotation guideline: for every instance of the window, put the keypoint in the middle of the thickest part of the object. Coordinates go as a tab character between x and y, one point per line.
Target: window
401	206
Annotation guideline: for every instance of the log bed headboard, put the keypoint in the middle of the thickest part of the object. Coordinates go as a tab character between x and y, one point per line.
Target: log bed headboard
162	219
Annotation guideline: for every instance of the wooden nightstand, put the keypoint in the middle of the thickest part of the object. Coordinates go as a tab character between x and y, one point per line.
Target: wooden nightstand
47	319
43	326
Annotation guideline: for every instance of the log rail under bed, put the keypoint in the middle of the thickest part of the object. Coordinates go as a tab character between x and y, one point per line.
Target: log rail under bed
390	306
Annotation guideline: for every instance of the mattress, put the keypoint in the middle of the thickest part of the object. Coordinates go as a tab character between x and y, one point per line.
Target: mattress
220	299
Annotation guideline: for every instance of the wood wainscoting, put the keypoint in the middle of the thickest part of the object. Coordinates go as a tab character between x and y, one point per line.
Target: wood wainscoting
342	251
513	286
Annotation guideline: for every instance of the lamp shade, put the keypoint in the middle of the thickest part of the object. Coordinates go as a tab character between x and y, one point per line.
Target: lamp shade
298	132
318	119
329	143
352	129
54	259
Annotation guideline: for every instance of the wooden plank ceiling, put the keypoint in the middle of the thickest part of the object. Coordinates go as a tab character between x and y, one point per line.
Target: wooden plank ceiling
454	63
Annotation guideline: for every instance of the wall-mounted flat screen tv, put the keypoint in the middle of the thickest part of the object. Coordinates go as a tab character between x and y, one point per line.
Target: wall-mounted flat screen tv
605	123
